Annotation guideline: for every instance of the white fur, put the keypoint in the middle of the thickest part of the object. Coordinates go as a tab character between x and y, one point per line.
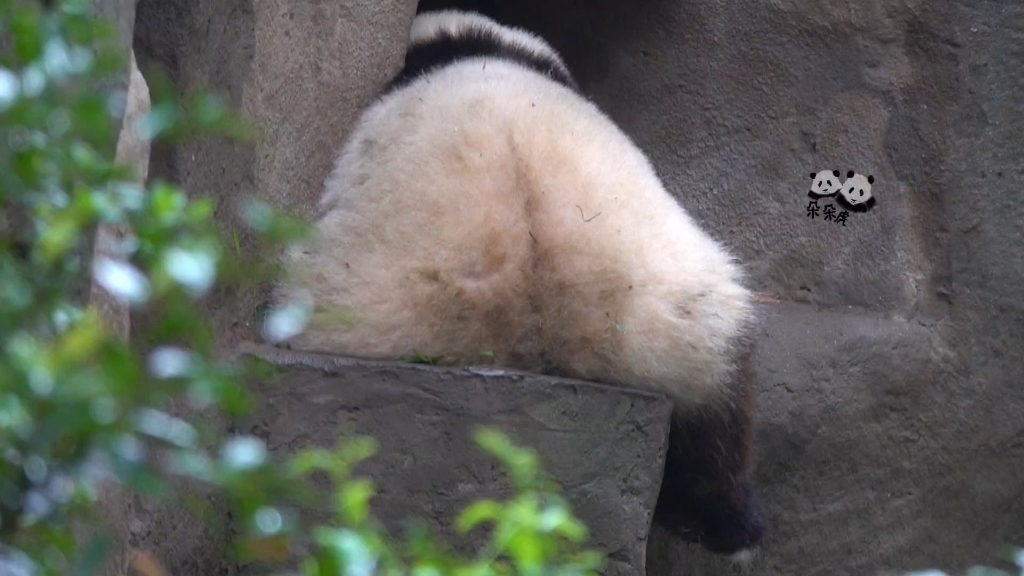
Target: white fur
490	210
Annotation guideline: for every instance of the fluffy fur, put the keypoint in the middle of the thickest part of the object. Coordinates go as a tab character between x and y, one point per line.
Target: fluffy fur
483	208
855	193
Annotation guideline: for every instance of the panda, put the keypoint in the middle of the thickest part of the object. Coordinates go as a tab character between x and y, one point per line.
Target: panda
825	184
855	194
482	208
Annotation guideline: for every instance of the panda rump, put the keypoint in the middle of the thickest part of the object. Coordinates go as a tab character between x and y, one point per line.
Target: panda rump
484	209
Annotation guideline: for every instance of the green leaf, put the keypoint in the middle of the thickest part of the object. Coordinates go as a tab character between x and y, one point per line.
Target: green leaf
209	109
159	121
27	34
352	554
477	513
309	461
354	500
60	236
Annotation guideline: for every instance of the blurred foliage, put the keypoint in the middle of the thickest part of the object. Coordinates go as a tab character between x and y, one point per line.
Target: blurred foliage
80	408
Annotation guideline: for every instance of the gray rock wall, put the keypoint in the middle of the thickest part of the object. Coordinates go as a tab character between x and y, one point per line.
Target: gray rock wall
892	414
302	70
891	403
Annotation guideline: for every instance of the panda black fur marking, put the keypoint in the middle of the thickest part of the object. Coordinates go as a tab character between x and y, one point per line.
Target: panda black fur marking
434	45
480	208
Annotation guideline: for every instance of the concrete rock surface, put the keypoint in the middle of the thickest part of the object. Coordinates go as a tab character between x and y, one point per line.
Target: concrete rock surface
605	445
302	70
892	411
